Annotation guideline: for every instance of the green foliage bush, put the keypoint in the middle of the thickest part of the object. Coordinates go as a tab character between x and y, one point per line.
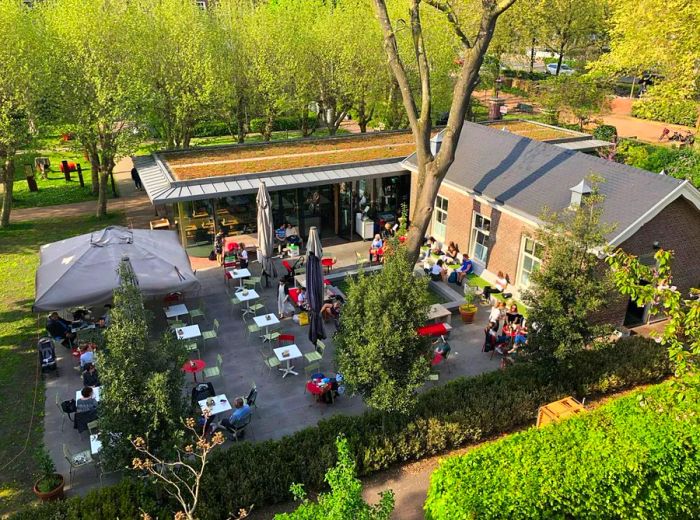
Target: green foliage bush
464	411
211	129
637	458
282	123
679	112
681	163
605	132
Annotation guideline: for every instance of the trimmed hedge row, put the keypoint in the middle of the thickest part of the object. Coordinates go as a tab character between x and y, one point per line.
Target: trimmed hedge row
279	124
464	411
211	129
680	112
638	457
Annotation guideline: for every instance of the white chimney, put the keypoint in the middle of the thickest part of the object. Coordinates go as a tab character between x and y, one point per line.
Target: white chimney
435	143
578	192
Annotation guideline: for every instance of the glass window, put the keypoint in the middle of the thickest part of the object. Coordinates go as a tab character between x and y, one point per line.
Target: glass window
440	218
480	237
532	253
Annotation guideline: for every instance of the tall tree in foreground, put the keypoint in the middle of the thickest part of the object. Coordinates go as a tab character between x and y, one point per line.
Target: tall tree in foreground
572	284
378	350
344	501
141	380
17	70
474	39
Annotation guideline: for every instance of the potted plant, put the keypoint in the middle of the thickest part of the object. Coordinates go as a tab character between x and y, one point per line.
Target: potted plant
50	484
468	310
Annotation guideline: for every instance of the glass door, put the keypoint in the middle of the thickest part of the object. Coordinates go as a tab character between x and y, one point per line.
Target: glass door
345	210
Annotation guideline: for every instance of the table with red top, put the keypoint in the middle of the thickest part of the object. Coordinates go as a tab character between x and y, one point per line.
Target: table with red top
315	388
328	263
193	366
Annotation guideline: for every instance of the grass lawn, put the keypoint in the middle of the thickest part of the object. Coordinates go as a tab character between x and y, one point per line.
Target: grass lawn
20	415
480	283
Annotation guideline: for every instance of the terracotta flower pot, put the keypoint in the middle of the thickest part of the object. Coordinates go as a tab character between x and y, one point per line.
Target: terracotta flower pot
53	494
467	312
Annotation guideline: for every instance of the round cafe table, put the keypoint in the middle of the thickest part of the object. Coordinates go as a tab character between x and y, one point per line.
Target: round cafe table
193	366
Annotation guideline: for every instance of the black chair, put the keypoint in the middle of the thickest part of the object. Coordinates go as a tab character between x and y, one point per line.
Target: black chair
81	420
200	392
237	430
252	397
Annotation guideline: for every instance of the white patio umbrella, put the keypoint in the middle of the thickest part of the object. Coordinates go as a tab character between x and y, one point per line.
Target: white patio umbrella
265	234
313	243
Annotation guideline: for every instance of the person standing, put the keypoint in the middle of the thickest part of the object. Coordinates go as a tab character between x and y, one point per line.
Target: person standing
136	178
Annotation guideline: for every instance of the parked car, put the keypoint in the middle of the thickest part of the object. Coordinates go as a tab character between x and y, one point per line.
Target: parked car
564	69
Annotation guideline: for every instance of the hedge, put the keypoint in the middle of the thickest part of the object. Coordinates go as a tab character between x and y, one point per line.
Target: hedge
211	129
605	132
280	124
681	112
464	411
636	458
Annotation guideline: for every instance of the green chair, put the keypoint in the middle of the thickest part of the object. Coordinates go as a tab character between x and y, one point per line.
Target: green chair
235	304
317	354
93	426
197	312
257	307
434	377
249	284
311	369
193	348
215	371
271	336
176	324
253	329
257	280
76	460
211	334
269	361
360	260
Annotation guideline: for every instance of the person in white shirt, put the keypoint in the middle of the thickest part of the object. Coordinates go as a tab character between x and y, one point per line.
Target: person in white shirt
498	313
88	356
437	272
502	282
243	256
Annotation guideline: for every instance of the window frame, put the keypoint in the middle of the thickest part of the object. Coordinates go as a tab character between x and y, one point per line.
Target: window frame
473	237
439	210
524	254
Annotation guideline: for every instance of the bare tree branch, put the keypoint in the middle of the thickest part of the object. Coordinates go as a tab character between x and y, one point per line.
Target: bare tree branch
452	18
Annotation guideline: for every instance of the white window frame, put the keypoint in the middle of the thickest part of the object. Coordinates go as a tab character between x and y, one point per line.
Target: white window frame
525	255
440	227
476	250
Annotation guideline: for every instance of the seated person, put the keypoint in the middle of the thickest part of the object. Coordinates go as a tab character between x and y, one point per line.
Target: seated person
281	233
388	232
452	252
240	412
374	248
87	402
90	377
292	234
438	271
60	329
513	317
243	256
87	356
330	310
106	319
502	282
435	246
302	300
465	269
443	348
520	335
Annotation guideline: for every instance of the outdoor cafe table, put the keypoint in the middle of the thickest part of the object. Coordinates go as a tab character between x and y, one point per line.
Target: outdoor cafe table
293	352
189	332
238	274
221	405
193	366
95	444
95	394
247	296
179	309
266	320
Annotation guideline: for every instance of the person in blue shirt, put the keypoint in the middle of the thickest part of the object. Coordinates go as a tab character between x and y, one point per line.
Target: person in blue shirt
240	412
465	269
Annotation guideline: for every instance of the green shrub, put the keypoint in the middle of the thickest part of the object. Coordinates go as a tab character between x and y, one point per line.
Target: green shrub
605	132
679	112
638	457
280	124
681	163
464	411
211	129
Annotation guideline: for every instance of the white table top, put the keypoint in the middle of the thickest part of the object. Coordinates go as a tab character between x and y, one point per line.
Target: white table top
189	332
95	394
86	327
95	444
218	407
437	311
179	309
251	295
238	273
294	352
262	321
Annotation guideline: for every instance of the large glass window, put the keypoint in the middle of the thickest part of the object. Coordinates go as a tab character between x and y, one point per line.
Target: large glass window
237	215
531	258
440	218
481	229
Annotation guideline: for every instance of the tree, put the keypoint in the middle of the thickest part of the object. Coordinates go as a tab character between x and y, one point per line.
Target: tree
18	70
378	350
572	284
181	478
657	36
344	501
582	95
142	380
652	286
473	40
96	77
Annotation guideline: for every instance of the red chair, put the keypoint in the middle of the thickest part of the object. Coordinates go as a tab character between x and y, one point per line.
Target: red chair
174	297
328	263
294	295
287	266
287	338
435	330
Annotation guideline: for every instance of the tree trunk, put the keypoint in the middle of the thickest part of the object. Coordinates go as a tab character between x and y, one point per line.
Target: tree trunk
102	195
560	59
94	168
269	121
304	122
240	119
8	180
532	57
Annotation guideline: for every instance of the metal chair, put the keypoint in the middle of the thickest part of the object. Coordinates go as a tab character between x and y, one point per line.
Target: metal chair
252	397
215	371
238	430
64	407
211	334
269	361
198	312
360	260
77	460
193	348
317	354
311	369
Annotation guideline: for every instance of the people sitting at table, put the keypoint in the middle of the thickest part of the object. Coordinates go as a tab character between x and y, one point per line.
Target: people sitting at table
498	313
520	335
465	269
502	282
90	377
87	402
60	329
452	252
302	300
513	317
374	248
243	256
388	232
87	356
434	245
438	271
292	234
240	412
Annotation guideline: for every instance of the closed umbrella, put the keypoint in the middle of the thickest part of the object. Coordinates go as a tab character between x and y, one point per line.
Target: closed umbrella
265	234
314	292
313	243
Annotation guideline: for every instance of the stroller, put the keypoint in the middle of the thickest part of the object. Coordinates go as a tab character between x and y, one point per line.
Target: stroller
47	355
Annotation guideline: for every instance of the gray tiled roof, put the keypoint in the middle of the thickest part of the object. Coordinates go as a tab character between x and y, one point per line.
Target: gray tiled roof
528	176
